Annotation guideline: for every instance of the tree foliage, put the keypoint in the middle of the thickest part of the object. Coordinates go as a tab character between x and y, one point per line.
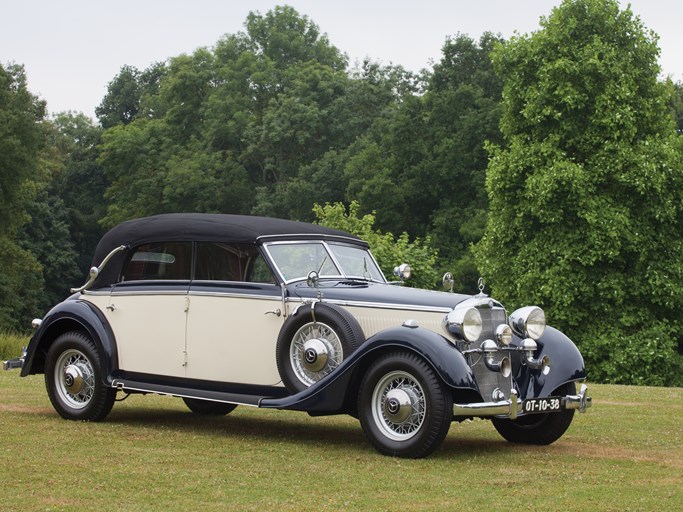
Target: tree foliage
585	209
389	251
563	149
21	141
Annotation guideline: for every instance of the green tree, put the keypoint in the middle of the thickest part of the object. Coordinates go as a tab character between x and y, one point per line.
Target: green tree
389	251
422	164
129	93
80	184
585	212
224	129
676	105
22	138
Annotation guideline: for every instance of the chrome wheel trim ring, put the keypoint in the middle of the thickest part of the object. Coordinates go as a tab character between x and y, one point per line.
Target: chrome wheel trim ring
327	344
74	378
398	405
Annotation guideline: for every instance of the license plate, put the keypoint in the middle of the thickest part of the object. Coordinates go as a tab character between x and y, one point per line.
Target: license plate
540	405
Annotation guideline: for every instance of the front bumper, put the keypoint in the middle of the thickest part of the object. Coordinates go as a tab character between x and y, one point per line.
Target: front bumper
513	407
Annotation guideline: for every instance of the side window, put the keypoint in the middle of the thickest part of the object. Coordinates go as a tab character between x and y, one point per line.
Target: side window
258	271
230	262
216	262
165	260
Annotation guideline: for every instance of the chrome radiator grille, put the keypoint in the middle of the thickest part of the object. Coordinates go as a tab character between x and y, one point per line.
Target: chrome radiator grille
491	318
488	380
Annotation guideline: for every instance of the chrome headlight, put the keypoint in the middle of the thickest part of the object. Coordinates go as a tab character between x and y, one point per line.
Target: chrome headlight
464	323
528	322
504	334
403	271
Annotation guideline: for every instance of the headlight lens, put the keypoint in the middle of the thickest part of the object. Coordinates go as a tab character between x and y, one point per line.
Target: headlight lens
464	323
528	322
504	334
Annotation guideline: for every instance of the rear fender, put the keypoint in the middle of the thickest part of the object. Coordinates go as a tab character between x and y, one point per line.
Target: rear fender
72	315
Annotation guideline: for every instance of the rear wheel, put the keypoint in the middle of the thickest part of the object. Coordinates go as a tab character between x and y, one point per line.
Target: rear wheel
74	381
538	429
208	407
404	408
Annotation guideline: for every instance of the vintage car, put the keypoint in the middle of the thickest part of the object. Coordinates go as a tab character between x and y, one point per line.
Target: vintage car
227	310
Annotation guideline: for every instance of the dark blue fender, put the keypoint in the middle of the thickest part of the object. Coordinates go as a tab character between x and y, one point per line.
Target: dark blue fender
566	365
330	393
72	315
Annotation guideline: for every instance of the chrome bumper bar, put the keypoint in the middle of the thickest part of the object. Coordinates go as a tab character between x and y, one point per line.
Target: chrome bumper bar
513	407
17	362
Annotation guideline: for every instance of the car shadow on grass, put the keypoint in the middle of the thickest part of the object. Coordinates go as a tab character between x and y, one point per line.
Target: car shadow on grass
298	429
254	425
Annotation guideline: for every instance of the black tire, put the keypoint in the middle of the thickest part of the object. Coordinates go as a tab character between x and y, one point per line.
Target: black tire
312	344
404	407
74	380
208	407
539	429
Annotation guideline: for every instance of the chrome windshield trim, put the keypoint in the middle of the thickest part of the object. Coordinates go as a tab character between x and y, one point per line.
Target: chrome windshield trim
326	244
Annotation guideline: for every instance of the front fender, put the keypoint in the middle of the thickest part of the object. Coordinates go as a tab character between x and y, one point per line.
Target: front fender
330	393
72	315
566	365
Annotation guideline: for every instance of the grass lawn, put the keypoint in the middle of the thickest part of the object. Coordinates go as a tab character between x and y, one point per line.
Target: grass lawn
151	453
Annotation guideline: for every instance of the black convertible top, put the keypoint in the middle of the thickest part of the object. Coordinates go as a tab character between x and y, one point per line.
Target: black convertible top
204	227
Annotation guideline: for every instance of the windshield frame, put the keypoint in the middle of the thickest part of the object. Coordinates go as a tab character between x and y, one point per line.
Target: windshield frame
328	247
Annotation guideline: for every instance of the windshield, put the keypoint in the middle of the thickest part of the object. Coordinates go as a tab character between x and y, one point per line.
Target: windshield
294	260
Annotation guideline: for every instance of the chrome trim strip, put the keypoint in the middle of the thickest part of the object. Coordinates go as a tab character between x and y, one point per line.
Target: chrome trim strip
235	295
312	237
123	386
97	292
380	305
130	293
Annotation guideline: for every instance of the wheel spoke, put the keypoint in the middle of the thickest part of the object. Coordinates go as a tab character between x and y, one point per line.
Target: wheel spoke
75	363
404	423
330	345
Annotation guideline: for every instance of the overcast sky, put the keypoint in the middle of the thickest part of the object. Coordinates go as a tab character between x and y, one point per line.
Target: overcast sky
71	49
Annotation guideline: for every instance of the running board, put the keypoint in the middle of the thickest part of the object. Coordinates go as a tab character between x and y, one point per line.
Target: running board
202	394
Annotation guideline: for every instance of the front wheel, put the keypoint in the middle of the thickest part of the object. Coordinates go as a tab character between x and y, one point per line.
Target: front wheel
403	406
74	381
540	429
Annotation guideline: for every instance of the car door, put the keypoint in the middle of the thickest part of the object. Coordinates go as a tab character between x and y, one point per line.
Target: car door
234	316
148	309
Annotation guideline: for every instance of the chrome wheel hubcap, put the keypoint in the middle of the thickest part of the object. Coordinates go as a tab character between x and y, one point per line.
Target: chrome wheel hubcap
398	405
316	350
314	355
74	378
